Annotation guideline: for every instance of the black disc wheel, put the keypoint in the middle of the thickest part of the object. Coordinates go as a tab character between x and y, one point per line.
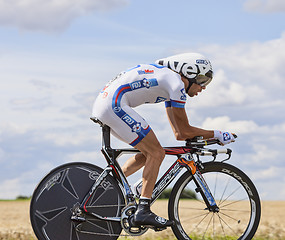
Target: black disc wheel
59	195
235	195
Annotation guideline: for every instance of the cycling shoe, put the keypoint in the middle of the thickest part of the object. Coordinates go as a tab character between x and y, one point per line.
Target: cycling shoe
145	217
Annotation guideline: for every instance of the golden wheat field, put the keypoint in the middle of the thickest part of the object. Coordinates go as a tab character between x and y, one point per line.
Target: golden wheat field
15	223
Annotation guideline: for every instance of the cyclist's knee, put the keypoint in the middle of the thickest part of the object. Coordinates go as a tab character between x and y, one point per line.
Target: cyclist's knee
161	153
157	155
151	148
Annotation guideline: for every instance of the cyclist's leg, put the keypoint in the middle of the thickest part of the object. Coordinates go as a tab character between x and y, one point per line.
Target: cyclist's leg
130	127
154	155
133	164
151	156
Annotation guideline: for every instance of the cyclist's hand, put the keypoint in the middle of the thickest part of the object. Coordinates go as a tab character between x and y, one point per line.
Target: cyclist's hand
224	137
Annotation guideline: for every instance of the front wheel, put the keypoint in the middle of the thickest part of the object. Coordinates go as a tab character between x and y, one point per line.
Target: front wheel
60	194
235	195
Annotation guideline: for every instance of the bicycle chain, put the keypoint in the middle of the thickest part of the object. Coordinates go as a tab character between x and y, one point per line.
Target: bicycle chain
121	205
101	234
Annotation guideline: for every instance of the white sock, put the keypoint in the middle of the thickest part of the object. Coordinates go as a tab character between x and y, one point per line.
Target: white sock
144	198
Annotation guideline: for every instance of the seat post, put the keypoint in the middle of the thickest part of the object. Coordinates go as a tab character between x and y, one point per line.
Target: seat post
105	133
106	136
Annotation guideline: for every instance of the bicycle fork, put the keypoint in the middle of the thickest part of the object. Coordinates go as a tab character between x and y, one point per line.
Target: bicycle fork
202	186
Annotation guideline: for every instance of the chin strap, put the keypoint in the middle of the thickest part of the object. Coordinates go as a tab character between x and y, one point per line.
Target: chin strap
190	84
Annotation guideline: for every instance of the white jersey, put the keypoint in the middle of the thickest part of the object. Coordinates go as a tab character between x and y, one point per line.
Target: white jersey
145	83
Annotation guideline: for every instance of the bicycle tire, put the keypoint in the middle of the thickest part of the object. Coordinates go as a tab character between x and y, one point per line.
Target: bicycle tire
62	190
235	195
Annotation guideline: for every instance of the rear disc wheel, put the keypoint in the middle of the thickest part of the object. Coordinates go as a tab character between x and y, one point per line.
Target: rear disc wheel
61	192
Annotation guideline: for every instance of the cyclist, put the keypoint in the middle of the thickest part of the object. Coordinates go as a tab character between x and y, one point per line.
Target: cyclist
169	80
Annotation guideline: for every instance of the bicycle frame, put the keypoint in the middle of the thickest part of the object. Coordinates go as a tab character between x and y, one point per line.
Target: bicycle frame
84	200
184	159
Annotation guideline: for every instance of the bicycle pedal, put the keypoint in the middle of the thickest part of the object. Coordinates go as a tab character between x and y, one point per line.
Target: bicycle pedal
158	229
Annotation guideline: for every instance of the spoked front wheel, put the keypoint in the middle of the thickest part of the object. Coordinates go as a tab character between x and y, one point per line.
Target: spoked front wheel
60	194
236	196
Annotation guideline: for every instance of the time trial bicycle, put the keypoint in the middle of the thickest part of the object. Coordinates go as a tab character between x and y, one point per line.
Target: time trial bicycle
210	200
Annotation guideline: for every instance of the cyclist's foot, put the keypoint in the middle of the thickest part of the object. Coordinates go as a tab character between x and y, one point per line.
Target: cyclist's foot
145	217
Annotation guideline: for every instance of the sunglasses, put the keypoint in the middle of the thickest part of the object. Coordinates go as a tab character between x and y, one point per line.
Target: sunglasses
204	80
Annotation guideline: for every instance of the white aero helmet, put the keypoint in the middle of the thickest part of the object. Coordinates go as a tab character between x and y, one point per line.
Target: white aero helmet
193	66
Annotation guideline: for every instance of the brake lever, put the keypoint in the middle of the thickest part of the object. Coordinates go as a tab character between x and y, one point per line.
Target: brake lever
229	156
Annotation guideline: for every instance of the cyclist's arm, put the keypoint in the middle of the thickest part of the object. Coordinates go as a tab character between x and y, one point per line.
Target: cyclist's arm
180	125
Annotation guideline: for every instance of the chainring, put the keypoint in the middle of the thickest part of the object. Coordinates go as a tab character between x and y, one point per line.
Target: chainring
127	215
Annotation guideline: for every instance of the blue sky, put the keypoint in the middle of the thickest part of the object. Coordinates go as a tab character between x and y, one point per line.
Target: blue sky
56	55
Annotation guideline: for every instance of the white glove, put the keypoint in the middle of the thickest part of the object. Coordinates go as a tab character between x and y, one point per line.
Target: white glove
224	137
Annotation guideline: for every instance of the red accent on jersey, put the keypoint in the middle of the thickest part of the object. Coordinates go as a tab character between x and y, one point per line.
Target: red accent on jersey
124	88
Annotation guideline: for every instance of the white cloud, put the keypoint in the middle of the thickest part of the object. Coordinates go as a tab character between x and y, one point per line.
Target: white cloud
10	188
269	180
30	103
225	91
245	74
84	156
248	74
52	15
265	6
273	132
261	156
2	154
70	137
251	63
225	123
12	129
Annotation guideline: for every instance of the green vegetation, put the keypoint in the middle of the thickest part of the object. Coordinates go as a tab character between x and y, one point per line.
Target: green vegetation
18	198
206	238
22	198
186	194
19	236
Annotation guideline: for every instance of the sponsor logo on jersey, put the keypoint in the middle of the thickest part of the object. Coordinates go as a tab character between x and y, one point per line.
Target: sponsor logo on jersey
146	71
136	85
137	127
150	82
105	94
226	136
128	119
117	109
160	99
183	97
147	83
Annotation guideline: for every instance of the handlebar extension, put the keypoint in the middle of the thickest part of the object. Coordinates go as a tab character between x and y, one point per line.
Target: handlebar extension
200	142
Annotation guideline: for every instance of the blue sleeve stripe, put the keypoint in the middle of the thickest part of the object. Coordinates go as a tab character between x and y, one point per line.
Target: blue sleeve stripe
177	104
173	103
167	104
